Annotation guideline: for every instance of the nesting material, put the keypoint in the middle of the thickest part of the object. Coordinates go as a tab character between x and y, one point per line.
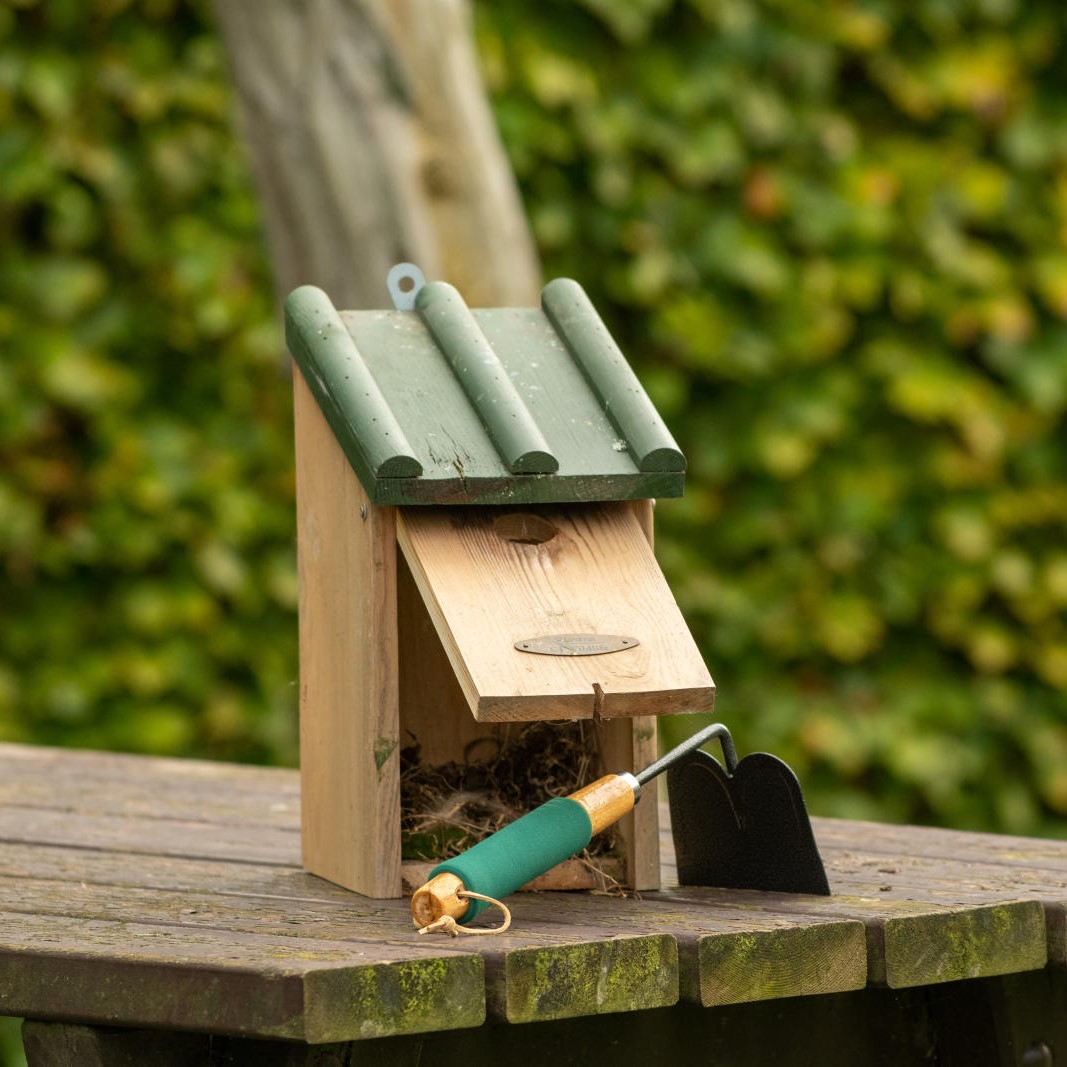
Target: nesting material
514	768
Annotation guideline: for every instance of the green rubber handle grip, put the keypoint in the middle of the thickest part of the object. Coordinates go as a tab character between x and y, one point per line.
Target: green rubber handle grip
520	852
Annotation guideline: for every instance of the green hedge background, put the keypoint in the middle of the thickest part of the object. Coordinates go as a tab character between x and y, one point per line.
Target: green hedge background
832	237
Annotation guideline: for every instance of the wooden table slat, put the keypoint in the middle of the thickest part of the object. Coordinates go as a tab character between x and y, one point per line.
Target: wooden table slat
115	971
155	892
196	839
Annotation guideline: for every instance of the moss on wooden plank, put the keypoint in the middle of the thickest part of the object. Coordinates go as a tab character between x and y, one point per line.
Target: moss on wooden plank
976	942
593	978
409	997
792	961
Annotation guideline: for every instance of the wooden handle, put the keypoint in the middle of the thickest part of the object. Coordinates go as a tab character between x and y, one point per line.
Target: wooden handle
607	799
439	896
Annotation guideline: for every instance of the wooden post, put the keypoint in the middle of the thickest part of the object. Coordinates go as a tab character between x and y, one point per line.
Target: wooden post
371	140
630	744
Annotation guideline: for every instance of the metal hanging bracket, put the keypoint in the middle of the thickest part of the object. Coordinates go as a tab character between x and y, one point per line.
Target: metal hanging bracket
404	281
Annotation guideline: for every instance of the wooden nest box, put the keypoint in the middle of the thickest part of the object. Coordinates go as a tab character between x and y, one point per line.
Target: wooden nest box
512	456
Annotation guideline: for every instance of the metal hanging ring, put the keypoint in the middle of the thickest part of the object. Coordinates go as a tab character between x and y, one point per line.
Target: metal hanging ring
403	295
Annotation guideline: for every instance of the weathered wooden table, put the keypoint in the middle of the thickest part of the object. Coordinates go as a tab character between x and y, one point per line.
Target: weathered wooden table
154	912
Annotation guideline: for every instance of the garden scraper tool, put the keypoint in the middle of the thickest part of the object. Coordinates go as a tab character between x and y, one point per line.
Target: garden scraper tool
742	827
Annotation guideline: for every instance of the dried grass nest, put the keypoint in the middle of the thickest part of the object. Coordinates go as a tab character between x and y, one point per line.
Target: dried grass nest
446	809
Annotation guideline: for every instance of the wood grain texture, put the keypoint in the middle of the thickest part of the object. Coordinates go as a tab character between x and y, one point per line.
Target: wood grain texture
1023	853
198	915
434	714
150	787
780	960
349	710
192	838
632	744
111	972
361	120
597	574
613	974
984	940
911	943
605	801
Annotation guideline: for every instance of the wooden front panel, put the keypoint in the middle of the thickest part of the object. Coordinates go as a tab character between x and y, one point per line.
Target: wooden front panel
491	577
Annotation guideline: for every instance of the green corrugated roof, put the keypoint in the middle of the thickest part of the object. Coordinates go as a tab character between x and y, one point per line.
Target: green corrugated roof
449	405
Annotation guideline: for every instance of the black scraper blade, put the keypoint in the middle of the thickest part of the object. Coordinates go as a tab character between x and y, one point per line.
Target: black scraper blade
746	830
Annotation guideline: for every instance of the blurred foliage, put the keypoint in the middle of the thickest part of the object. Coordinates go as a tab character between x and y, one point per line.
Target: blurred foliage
11	1054
146	502
831	236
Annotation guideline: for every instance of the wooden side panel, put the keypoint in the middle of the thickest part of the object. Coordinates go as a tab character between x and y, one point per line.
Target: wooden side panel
491	577
349	717
630	744
433	709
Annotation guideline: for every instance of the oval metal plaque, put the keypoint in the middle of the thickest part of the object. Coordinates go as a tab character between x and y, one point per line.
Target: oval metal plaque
576	644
